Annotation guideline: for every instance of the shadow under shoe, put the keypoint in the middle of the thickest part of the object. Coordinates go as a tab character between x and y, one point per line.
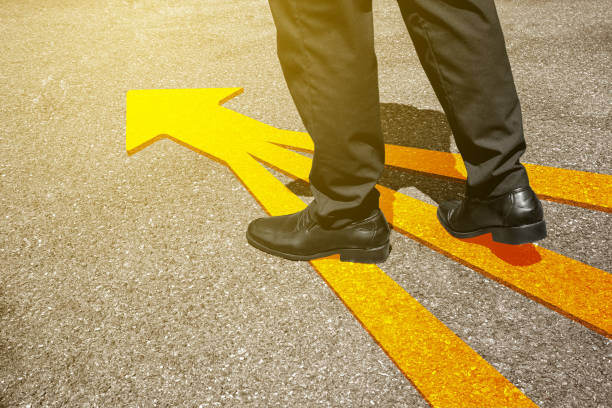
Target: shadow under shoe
299	237
513	218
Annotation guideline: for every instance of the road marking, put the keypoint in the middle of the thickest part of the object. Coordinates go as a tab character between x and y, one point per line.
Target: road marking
440	365
579	188
570	287
573	187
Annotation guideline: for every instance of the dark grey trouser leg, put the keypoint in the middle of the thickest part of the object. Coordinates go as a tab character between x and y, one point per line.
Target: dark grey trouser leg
461	47
326	52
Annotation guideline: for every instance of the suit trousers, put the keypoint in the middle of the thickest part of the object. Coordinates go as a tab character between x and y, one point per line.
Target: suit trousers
326	52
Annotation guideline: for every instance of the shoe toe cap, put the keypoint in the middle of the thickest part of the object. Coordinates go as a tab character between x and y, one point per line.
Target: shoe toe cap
266	230
257	228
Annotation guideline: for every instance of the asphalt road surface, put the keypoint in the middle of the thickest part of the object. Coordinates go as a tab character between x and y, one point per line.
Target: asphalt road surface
128	281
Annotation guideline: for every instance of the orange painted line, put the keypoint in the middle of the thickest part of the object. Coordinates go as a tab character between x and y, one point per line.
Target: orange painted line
570	287
579	188
442	367
573	187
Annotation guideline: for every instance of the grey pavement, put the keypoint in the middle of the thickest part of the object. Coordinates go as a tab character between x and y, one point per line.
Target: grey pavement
128	281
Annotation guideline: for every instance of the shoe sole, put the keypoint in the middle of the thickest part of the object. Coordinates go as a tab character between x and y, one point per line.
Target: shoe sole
358	255
506	235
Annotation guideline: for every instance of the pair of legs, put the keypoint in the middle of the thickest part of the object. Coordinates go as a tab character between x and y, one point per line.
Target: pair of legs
326	51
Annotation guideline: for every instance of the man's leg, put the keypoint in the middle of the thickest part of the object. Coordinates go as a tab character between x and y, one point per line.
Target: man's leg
462	49
326	51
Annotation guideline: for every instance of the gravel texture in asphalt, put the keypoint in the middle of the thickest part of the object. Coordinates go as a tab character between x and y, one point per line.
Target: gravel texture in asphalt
128	281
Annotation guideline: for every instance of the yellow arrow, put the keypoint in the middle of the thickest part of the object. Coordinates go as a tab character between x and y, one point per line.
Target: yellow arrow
579	188
545	276
442	367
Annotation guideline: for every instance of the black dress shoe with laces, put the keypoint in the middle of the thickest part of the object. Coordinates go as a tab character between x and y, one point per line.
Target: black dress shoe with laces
299	237
512	218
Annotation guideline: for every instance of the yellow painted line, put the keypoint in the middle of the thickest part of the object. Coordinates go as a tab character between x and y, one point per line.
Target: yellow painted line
444	369
438	363
570	287
578	188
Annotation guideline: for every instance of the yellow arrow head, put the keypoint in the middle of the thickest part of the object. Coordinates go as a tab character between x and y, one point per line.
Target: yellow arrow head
153	114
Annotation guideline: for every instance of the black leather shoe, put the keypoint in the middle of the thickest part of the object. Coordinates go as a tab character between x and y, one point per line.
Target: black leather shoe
512	218
299	237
